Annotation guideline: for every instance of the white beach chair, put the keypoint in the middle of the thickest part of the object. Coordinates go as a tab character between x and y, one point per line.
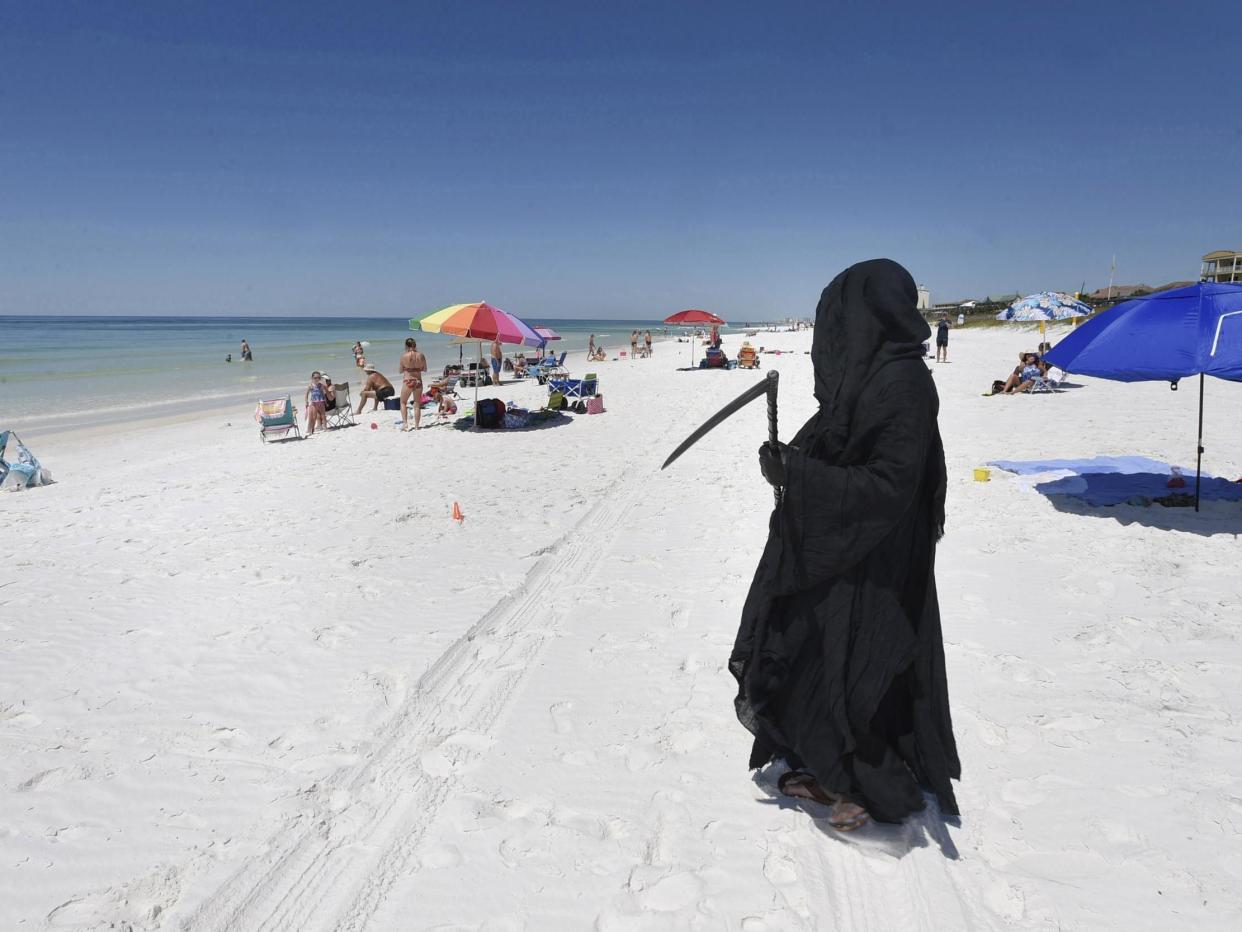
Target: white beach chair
342	415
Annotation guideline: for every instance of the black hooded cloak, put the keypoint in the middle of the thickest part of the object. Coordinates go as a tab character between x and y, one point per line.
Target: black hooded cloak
839	657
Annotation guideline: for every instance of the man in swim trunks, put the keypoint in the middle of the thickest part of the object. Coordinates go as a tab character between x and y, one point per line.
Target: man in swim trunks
376	387
413	364
498	357
246	355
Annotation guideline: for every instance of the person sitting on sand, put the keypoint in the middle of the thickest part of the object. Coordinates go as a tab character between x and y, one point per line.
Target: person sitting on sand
316	415
446	404
600	354
376	387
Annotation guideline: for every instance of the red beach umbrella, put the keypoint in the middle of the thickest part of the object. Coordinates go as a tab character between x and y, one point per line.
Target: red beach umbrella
691	317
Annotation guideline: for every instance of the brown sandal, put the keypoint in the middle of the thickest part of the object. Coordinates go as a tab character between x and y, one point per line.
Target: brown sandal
845	815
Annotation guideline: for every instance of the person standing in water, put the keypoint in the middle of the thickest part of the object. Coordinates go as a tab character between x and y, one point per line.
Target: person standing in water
839	657
942	338
246	355
412	365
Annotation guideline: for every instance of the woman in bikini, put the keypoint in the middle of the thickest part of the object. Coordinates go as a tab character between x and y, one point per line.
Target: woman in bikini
413	364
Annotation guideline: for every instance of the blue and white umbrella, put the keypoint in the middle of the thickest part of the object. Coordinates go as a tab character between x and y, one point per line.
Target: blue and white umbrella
1045	306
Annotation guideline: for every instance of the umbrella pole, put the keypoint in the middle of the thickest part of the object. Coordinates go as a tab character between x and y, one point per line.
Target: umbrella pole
1199	446
478	374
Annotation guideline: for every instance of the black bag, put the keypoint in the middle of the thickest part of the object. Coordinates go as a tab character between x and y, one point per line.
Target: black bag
491	413
998	387
579	407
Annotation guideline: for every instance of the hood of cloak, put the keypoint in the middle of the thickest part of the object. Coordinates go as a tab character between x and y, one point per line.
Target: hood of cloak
866	318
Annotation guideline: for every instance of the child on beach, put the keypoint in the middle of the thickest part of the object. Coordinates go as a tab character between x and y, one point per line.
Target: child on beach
316	404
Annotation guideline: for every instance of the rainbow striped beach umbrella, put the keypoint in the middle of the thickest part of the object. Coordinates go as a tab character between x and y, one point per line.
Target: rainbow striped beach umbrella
478	321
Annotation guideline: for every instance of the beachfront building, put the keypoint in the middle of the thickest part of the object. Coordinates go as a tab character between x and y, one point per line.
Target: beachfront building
924	298
1224	265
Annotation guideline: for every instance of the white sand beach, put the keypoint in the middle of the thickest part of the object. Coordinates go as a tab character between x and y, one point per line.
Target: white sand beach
248	686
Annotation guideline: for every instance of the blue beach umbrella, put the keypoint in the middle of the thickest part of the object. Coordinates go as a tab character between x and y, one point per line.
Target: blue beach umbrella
1045	306
1163	337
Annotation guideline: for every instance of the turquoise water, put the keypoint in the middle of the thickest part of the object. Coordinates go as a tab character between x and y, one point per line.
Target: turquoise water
67	369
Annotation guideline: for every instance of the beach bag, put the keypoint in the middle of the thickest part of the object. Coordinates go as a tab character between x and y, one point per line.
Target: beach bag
595	405
578	407
491	413
998	386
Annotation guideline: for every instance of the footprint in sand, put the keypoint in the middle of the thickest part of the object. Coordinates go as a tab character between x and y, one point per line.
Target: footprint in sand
672	893
642	756
779	867
1022	793
561	720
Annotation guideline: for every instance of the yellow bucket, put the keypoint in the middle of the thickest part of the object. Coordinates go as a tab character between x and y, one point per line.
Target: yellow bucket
982	475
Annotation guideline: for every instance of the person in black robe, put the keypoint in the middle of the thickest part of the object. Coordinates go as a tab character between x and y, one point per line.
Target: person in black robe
839	657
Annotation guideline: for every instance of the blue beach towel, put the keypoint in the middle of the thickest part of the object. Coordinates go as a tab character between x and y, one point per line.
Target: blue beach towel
1113	480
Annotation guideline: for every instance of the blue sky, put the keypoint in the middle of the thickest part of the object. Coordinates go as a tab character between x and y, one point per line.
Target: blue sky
583	159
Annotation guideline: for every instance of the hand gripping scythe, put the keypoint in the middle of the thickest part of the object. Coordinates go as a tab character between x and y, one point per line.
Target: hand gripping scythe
758	390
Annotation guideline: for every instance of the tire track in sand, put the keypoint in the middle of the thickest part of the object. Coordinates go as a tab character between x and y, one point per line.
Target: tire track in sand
331	867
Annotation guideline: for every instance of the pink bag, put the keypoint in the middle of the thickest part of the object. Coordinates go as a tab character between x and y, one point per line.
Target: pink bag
595	405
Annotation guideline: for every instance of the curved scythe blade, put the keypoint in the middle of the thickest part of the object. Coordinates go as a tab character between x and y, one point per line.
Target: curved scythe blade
758	390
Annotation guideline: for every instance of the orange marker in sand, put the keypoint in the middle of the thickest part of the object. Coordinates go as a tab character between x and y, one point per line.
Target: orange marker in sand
457	515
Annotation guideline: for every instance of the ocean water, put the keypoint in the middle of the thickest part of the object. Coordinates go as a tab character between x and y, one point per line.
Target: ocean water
65	372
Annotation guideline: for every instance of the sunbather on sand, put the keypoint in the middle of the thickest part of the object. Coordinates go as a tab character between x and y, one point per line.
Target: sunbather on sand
1024	376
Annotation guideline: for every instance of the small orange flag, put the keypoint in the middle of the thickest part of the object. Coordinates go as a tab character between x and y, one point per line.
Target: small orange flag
457	515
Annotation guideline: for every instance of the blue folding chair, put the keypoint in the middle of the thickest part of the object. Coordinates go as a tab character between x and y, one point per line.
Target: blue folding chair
576	388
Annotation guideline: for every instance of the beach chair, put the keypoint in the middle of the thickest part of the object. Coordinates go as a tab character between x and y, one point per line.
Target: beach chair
277	416
576	388
342	415
747	358
551	368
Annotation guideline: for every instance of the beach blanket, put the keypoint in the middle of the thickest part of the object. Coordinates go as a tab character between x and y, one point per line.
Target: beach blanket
1104	481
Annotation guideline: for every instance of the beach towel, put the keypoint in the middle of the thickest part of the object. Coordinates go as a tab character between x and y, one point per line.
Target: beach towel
1104	481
